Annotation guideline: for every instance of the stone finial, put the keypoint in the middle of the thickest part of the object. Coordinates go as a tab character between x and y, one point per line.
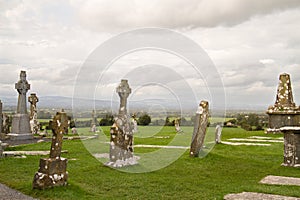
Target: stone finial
284	97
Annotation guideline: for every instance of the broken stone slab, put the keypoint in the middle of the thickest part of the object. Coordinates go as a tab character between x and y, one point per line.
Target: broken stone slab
28	153
280	180
244	143
255	196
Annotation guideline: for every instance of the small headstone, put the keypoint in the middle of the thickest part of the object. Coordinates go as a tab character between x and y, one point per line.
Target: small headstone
284	112
6	124
121	132
74	131
34	123
291	146
94	122
53	171
200	127
177	126
135	124
20	122
218	134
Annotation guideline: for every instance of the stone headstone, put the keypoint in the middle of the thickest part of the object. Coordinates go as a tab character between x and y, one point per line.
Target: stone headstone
134	124
20	122
291	146
218	134
34	123
201	123
6	124
177	126
284	112
53	170
121	132
94	122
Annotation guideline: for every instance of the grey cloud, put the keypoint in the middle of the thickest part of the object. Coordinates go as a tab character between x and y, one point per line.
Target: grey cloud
111	15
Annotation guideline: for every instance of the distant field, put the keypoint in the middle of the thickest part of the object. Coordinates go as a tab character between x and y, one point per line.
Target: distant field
226	169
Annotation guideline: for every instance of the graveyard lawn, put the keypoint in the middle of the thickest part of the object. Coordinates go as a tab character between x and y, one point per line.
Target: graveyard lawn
226	169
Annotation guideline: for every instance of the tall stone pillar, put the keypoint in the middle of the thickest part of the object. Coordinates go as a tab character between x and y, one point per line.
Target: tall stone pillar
121	132
53	170
94	122
20	122
201	122
284	112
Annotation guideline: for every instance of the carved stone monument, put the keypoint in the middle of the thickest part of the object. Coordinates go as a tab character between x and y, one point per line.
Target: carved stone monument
201	122
53	171
218	134
284	112
94	122
291	146
121	132
134	124
20	122
34	123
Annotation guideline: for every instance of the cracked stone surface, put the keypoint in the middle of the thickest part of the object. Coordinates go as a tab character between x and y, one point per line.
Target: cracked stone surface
280	180
256	196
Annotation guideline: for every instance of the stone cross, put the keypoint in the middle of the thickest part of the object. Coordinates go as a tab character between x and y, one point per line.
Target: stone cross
121	133
123	90
53	171
22	87
60	126
33	99
200	127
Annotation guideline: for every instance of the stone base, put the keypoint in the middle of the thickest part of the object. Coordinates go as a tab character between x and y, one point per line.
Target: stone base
20	129
25	136
52	172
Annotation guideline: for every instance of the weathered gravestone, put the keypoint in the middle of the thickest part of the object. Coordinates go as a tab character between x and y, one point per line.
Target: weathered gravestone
53	171
177	126
121	132
135	124
218	134
34	123
201	122
284	112
20	122
94	122
291	146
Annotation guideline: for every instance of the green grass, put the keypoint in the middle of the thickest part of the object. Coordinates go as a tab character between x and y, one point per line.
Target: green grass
226	169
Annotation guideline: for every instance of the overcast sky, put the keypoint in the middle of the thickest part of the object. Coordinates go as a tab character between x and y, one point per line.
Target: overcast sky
250	42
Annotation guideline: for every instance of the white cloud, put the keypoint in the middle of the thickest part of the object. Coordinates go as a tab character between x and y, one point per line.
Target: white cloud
106	15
